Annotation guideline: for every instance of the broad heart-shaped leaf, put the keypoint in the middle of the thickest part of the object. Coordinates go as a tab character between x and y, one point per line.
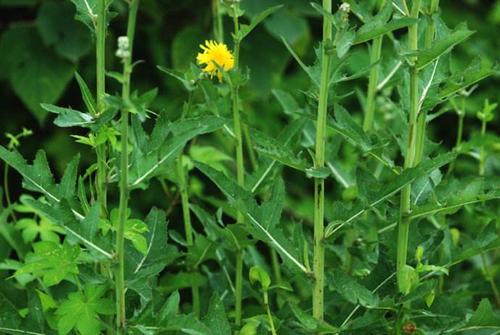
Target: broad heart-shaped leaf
264	220
82	309
352	291
141	268
443	45
156	151
216	318
51	261
387	190
83	231
59	29
484	316
247	29
35	72
39	178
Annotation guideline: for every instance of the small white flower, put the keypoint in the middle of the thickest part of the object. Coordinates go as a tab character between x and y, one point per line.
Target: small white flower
345	7
123	47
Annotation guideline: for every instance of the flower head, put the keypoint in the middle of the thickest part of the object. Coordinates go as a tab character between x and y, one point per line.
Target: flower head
215	57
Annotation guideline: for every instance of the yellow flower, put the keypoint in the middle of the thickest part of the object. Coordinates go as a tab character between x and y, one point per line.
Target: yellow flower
215	56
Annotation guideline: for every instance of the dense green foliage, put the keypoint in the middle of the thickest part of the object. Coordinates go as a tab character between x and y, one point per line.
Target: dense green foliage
341	176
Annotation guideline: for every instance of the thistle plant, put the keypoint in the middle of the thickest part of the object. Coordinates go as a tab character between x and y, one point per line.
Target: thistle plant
144	219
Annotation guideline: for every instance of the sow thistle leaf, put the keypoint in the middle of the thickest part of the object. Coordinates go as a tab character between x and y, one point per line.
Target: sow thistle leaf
39	178
157	150
216	318
484	316
345	125
254	22
87	96
275	150
67	117
352	291
82	309
84	231
388	189
443	45
264	219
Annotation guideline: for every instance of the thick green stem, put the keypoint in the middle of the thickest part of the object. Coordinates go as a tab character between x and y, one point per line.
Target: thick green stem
124	190
373	81
100	27
240	170
404	221
372	84
430	32
319	184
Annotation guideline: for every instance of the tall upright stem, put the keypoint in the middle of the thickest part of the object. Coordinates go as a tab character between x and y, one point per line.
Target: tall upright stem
319	184
186	213
124	191
430	32
217	21
372	82
101	187
240	167
404	221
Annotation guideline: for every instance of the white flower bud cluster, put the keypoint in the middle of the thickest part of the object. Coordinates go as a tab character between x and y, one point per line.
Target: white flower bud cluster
123	50
345	7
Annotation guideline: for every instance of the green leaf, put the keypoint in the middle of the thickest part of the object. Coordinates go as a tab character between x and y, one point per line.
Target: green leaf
405	178
31	229
39	178
259	275
352	291
443	45
277	151
59	30
263	219
156	151
484	316
81	310
67	117
51	261
408	278
345	125
86	12
247	29
87	96
36	74
216	318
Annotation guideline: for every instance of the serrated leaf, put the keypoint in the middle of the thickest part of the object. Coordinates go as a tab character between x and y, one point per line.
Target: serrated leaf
67	117
352	291
254	22
216	318
442	46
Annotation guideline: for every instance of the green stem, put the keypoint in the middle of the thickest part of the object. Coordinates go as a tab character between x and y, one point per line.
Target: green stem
422	122
268	312
491	279
6	190
482	151
124	190
188	228
101	179
240	170
373	82
217	21
404	221
460	130
319	184
276	265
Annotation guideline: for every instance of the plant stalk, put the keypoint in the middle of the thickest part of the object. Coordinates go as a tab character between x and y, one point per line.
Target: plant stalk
319	184
375	54
404	221
217	21
430	32
124	190
240	168
101	150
